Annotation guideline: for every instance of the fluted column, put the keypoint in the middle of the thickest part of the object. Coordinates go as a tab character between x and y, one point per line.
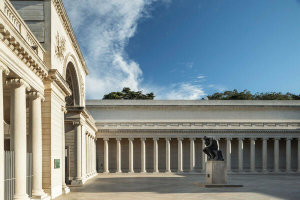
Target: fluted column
228	154
106	167
276	154
95	152
35	124
264	154
288	154
180	155
204	157
192	154
18	131
252	154
240	154
119	154
168	157
155	155
3	70
91	154
131	170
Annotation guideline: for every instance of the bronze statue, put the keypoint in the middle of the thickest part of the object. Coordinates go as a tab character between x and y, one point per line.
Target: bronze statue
211	149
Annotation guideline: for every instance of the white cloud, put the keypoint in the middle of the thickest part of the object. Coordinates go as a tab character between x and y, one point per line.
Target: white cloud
103	28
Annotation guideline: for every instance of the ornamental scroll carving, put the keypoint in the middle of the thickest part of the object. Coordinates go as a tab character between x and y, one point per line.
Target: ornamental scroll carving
60	47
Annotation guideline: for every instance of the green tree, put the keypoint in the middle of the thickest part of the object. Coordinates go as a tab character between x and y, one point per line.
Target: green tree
246	95
126	93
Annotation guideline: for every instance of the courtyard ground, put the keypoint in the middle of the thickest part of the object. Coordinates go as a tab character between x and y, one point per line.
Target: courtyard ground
171	186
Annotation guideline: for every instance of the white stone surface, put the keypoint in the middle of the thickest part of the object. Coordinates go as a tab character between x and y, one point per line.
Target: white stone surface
216	172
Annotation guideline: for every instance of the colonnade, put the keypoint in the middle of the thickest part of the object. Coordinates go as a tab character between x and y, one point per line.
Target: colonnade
228	154
19	90
90	154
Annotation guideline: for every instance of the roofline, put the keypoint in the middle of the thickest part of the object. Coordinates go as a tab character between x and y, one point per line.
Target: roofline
100	103
58	4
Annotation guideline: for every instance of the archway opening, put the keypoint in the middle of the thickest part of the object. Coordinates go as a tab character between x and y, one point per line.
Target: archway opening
72	80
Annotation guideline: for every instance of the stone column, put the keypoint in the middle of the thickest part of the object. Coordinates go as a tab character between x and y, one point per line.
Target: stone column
143	155
276	154
204	157
35	124
91	155
106	168
180	155
119	153
228	154
240	154
87	154
78	129
5	71
155	155
18	130
131	155
264	154
192	154
288	154
298	155
168	156
252	154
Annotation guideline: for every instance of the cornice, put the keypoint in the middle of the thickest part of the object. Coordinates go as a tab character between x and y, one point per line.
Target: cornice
195	125
24	52
54	76
68	27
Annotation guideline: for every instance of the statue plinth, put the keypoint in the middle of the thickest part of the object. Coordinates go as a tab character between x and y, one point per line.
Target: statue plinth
216	172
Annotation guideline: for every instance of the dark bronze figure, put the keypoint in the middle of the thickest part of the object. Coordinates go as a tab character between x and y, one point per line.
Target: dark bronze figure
211	149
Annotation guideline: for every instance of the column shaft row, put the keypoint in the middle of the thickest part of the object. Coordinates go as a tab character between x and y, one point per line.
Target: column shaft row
204	158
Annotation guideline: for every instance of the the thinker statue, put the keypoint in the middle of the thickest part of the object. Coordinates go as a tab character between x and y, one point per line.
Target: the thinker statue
211	150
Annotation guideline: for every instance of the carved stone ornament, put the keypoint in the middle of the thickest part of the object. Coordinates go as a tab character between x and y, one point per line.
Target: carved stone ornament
60	47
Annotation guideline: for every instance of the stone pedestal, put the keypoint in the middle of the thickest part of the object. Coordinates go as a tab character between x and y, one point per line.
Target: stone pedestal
216	172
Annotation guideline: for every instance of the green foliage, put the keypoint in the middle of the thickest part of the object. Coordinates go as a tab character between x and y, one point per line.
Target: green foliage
126	93
246	95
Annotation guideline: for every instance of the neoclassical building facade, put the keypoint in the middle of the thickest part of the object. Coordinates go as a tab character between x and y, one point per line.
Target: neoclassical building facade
167	136
47	138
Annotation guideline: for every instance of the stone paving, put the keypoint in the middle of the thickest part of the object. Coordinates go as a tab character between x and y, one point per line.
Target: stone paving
172	186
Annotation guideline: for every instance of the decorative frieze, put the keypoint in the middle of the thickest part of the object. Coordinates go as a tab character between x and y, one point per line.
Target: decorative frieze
196	124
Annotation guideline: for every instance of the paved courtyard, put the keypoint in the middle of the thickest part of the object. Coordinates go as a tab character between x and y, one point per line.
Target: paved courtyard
164	186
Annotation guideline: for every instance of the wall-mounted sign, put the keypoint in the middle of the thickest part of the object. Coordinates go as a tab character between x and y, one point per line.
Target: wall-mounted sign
56	163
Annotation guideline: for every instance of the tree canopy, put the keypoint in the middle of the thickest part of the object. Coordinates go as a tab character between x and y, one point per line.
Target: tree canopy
246	95
126	93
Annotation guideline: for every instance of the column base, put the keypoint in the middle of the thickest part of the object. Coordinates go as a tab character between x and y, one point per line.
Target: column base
77	182
168	171
132	172
43	197
65	189
106	172
21	197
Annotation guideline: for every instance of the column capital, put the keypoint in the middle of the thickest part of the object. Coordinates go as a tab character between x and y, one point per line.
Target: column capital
4	69
180	138
241	138
264	138
229	138
155	139
143	139
118	139
288	138
276	138
77	123
168	139
192	139
17	82
130	139
253	138
106	139
35	95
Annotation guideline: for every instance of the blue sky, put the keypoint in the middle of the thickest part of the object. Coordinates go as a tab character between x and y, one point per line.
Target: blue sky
187	49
